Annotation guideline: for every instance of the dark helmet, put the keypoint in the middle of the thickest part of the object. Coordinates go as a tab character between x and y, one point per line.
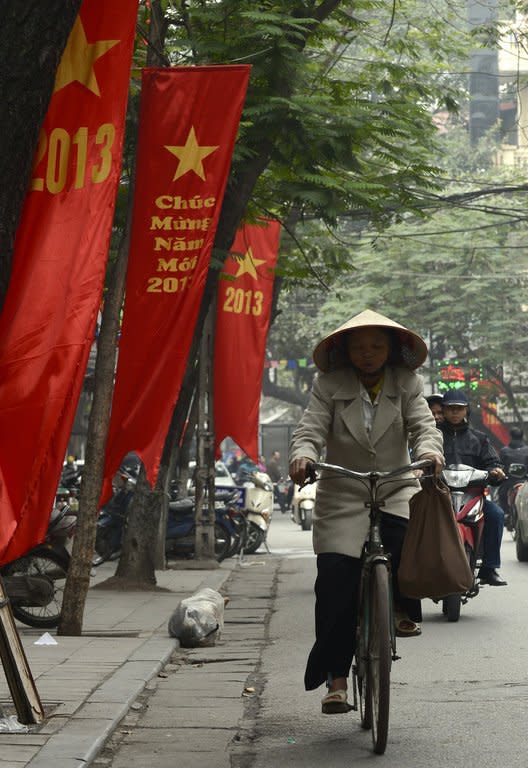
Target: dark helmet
455	397
435	398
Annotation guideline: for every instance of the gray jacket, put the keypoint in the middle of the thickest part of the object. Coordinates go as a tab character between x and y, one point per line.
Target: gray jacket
334	421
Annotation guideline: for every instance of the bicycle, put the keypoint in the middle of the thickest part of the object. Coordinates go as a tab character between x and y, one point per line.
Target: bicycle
376	637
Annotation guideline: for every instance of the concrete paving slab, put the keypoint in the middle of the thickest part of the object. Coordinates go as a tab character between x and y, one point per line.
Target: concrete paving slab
96	710
53	725
164	759
16	755
42	761
231	691
13	739
212	718
64	708
194	699
185	739
155	649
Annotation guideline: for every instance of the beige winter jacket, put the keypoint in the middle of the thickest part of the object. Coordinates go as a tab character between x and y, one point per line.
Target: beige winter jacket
334	419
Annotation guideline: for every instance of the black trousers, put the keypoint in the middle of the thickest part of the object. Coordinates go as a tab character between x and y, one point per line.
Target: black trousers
337	603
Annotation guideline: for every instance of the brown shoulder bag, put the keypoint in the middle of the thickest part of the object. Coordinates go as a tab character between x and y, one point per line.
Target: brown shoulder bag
433	560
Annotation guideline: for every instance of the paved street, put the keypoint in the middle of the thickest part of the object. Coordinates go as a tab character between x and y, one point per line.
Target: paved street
124	694
460	692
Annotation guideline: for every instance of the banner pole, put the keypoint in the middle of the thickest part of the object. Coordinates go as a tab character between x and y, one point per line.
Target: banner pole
205	488
16	668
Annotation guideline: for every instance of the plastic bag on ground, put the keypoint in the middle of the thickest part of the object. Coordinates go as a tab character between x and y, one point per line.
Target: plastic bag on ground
10	724
198	620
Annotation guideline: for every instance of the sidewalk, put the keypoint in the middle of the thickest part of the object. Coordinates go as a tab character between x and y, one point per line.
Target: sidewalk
87	684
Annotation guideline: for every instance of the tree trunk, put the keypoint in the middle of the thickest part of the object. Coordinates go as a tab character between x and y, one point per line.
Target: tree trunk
158	26
78	580
141	551
136	565
34	35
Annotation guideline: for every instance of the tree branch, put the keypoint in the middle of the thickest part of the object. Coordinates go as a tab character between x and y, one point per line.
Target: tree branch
325	8
286	394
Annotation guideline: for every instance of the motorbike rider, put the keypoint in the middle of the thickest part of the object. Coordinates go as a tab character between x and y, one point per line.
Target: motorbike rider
465	445
245	471
435	403
70	473
274	468
276	474
516	452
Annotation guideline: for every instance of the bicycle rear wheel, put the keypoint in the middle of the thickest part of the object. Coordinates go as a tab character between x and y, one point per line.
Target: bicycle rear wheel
365	702
379	659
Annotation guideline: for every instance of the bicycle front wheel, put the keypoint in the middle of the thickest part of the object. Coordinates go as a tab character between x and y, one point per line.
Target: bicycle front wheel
379	657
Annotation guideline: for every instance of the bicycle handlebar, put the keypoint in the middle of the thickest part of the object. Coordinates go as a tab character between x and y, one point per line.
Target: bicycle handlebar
313	466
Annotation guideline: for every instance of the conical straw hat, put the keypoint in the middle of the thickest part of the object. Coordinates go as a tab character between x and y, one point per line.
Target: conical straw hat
329	353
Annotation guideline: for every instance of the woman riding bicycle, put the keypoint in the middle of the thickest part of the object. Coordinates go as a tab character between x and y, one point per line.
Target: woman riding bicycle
366	410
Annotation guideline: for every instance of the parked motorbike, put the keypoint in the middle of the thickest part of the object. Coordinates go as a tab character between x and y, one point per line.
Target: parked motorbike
303	504
71	477
240	525
35	582
257	504
181	526
467	486
111	520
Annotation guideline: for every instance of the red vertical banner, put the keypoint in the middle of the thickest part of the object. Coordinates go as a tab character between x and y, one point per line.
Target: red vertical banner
189	118
48	321
491	421
243	316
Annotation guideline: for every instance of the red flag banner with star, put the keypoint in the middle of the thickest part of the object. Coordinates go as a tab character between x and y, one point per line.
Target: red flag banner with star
243	316
189	118
48	321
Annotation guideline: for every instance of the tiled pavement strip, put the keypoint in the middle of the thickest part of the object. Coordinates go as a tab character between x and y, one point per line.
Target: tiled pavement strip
88	684
200	710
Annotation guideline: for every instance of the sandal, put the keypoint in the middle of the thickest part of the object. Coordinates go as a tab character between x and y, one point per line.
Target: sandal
335	703
406	627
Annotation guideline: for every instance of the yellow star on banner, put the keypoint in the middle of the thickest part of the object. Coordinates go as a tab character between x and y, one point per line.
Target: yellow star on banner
76	64
190	156
249	264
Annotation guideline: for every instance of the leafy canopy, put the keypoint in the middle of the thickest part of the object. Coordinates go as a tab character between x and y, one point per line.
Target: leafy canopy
338	111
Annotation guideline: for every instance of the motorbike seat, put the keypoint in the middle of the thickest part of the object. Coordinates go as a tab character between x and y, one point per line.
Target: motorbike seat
181	506
226	494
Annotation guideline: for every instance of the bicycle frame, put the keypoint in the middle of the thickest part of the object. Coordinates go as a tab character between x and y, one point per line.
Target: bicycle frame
373	557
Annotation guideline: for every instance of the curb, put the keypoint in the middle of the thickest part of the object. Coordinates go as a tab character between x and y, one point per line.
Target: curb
82	738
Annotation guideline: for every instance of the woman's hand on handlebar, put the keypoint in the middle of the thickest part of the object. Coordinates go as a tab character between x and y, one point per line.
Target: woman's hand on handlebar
497	474
437	461
297	470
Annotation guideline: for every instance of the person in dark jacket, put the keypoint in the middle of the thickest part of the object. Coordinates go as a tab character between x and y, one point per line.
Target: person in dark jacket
435	403
465	445
516	452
